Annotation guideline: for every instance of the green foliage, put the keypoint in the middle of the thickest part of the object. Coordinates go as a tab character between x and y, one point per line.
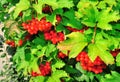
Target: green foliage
84	75
91	16
94	28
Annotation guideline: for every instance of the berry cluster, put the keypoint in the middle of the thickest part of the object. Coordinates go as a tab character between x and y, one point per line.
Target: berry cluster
61	55
76	30
10	42
34	25
53	36
115	52
97	66
44	69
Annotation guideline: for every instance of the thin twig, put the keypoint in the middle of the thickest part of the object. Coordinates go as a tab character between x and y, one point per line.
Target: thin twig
94	34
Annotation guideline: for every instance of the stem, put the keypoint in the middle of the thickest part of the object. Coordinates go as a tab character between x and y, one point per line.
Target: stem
94	34
36	2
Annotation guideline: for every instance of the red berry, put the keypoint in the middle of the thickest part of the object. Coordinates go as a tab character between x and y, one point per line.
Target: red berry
20	42
58	18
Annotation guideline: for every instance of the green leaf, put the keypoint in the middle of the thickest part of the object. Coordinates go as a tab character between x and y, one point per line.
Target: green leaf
38	7
84	75
116	26
34	65
42	52
55	4
20	54
37	79
26	15
23	65
118	59
65	3
113	77
78	67
70	20
88	12
102	5
105	17
60	28
59	64
70	69
100	49
75	43
90	15
52	18
22	5
55	77
39	40
49	49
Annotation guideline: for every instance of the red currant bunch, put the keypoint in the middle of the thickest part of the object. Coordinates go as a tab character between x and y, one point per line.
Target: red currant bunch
44	69
34	25
10	42
53	36
97	66
44	26
31	26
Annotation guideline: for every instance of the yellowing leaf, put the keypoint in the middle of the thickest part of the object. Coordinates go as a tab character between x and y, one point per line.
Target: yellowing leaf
100	49
75	43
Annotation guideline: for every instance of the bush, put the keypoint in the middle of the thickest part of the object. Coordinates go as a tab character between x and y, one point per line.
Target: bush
63	40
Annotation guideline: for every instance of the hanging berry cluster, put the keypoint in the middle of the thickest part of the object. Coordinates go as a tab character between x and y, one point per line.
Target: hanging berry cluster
44	69
54	36
97	66
34	25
